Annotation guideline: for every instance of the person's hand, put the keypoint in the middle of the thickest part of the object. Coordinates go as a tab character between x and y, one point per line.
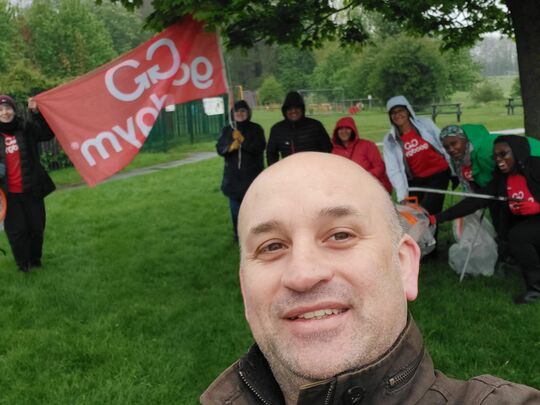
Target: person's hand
527	207
237	136
234	146
432	219
32	105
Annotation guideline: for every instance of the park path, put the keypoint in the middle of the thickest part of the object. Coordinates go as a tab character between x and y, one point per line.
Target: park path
195	157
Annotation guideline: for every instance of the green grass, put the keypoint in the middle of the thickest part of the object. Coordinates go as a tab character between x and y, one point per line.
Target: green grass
138	301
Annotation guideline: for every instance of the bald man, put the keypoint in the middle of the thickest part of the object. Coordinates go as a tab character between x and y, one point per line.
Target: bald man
326	272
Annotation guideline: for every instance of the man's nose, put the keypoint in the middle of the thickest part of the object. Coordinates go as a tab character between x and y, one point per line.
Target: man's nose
306	268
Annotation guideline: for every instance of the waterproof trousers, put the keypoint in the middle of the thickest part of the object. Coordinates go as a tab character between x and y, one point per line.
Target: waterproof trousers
24	225
524	241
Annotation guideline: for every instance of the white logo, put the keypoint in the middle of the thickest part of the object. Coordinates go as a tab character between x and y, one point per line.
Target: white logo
154	74
11	145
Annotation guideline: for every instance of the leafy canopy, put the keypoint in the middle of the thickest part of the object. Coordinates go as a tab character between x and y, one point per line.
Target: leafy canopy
308	23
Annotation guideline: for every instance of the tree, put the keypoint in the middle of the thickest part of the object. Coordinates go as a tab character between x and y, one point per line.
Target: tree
294	67
66	38
307	24
125	27
271	91
9	35
409	66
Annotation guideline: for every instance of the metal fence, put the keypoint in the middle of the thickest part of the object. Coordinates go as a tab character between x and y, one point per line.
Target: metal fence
186	124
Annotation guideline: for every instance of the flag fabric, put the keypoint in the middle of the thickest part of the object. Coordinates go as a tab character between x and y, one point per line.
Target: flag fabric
103	118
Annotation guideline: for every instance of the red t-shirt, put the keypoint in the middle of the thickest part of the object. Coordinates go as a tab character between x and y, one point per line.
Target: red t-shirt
466	172
516	189
13	164
421	157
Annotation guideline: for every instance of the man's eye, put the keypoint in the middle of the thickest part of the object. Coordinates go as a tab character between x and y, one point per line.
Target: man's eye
272	247
339	236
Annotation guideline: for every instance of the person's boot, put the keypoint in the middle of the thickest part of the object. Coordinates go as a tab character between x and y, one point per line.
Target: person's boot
24	268
529	296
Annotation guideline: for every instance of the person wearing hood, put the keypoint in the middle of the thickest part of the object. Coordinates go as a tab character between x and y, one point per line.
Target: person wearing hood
347	143
241	144
296	133
24	180
470	147
517	178
414	155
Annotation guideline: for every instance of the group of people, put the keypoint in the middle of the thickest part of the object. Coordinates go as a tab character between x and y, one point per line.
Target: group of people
24	180
243	144
416	155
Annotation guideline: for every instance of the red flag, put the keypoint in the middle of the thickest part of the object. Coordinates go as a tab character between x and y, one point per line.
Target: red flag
103	118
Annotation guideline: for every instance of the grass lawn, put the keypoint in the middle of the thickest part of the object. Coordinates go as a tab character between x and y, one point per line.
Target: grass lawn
138	301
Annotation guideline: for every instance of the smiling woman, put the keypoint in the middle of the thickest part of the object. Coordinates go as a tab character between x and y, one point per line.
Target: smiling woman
24	180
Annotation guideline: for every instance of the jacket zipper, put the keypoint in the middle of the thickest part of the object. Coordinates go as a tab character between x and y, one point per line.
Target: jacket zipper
405	374
253	390
329	393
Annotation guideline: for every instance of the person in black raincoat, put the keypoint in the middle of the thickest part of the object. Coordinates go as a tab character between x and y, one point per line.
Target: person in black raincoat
24	180
242	145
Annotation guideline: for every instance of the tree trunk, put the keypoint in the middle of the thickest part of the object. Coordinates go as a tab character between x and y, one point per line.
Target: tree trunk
525	15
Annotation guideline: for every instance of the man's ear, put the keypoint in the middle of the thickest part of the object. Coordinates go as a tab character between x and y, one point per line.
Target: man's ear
241	277
409	263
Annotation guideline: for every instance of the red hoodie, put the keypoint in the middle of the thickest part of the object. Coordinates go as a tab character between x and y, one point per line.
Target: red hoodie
361	151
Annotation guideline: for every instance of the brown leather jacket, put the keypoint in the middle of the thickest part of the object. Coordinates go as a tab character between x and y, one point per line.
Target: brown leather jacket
404	375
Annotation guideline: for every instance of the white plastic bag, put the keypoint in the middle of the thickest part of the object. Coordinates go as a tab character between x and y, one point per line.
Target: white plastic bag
483	256
415	221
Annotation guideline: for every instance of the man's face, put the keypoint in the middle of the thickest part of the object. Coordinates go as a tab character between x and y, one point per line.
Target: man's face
455	146
399	116
7	113
293	113
324	285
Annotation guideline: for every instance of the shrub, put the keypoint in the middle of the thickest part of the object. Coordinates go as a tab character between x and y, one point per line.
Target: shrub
271	91
487	91
516	88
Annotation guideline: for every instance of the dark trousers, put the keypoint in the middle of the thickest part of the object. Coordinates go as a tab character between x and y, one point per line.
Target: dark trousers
524	241
24	225
234	205
433	203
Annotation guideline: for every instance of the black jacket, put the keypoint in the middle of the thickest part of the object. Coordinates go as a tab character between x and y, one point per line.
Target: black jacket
28	133
527	165
287	137
243	165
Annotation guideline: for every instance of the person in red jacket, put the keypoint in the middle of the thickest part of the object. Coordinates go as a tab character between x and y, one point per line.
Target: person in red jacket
347	143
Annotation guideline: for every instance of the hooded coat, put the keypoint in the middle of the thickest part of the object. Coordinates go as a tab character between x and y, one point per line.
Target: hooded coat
288	137
244	164
527	165
28	134
361	151
396	167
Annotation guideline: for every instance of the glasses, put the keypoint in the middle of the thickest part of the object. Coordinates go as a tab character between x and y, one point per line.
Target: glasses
503	154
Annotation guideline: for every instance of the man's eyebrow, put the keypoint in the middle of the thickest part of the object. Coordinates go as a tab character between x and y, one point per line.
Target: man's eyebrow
338	211
264	227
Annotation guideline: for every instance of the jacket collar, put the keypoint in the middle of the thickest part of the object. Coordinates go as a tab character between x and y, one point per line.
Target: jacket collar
390	373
